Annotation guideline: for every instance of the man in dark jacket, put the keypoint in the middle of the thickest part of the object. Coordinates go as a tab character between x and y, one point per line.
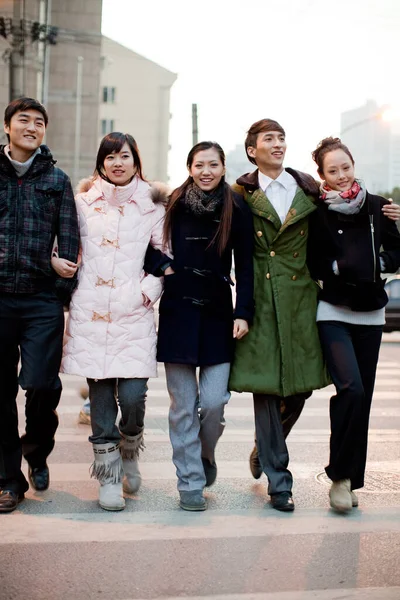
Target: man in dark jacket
36	206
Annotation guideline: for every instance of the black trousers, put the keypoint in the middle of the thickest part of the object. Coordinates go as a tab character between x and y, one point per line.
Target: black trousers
274	419
31	326
351	354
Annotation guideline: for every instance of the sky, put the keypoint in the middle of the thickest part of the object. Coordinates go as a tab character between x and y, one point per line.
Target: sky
300	62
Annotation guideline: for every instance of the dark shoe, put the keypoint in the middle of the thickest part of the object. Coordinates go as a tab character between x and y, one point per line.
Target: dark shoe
282	501
210	471
39	478
255	466
9	500
193	500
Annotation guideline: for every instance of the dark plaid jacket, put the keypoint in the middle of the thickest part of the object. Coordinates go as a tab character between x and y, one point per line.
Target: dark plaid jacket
34	209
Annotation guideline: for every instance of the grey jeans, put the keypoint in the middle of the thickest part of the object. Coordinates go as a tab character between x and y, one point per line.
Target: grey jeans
104	394
196	418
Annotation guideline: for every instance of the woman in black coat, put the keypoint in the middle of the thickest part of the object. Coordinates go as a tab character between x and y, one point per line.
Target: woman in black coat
347	232
205	223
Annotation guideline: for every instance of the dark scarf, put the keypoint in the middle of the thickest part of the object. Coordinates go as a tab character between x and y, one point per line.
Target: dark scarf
202	203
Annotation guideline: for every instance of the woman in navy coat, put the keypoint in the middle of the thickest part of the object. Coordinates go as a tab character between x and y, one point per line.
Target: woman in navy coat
205	225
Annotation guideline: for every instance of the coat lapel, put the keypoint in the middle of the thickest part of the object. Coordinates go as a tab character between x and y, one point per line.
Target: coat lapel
261	206
301	207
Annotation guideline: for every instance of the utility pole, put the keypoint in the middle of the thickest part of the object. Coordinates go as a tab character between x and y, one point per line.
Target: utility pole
17	52
78	119
43	51
195	130
46	59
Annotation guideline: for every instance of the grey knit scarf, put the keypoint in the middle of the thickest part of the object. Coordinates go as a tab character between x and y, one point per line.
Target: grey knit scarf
203	203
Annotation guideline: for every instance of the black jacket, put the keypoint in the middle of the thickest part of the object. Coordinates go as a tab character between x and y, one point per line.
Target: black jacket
33	210
196	312
355	242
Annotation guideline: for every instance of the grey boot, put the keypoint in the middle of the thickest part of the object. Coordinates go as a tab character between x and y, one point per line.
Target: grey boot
107	469
129	447
192	500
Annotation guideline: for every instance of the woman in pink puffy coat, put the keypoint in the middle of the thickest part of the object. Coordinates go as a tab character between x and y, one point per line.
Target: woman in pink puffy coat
110	335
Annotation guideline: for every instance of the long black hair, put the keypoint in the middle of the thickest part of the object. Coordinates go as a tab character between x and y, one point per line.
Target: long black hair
224	228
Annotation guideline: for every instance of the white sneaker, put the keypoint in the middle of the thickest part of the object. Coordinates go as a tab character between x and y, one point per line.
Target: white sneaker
340	495
133	479
354	499
110	496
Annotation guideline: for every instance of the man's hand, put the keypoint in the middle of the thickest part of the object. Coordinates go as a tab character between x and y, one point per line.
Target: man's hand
240	328
63	267
391	210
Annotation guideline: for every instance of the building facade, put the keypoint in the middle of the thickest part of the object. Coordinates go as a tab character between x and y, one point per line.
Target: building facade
135	99
60	65
375	145
237	164
90	84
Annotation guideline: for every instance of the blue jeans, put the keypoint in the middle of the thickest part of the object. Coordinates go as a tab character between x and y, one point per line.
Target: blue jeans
104	395
196	418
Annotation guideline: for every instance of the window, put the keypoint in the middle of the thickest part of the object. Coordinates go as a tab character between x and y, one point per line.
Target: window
109	95
106	126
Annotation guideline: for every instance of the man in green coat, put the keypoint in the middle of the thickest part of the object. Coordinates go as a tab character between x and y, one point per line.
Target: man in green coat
280	360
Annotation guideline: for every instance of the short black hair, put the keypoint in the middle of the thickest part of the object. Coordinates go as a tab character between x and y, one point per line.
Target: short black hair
113	142
21	104
260	127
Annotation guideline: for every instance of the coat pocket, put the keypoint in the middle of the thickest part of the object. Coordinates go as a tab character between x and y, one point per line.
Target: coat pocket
47	197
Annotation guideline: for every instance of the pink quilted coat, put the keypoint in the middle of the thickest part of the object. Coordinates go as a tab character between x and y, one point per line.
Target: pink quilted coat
110	330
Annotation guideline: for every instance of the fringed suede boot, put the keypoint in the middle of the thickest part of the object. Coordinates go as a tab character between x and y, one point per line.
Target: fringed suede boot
107	469
129	447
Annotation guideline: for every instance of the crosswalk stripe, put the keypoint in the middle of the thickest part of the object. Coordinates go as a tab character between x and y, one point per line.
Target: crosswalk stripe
144	526
231	469
391	593
243	411
297	436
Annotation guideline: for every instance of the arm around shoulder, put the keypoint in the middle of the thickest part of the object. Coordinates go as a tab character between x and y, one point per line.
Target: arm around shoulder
243	247
390	240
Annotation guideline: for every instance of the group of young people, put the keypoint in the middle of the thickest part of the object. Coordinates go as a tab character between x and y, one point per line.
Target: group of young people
309	309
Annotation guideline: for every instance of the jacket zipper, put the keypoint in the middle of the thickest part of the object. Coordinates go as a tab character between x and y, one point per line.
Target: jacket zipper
17	219
371	222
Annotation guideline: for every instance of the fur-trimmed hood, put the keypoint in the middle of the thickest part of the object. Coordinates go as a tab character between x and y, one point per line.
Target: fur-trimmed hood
249	181
159	191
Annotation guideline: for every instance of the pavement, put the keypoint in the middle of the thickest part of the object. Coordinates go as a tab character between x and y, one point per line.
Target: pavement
60	545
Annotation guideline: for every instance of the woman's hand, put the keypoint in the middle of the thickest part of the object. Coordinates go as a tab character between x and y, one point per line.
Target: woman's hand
391	210
63	267
240	328
146	300
169	271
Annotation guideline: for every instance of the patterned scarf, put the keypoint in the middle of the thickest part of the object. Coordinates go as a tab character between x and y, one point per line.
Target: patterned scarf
203	203
348	202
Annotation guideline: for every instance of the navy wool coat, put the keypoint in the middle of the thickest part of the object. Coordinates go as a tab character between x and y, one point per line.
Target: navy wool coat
196	309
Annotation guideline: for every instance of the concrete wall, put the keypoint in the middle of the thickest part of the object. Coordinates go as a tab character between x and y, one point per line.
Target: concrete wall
84	18
141	107
79	25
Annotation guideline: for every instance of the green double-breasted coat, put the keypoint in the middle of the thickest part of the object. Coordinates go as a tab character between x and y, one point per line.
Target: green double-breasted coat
281	354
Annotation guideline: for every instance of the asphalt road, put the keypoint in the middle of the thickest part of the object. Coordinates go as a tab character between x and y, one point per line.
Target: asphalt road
59	545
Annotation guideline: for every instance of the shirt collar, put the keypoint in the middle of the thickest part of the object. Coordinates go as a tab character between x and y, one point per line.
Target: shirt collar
285	179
